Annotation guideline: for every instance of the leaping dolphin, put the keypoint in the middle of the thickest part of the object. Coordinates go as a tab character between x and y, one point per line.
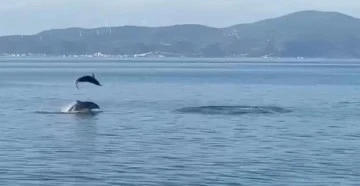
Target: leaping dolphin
89	79
83	106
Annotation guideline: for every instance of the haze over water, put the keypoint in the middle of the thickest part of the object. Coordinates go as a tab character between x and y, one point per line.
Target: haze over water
180	122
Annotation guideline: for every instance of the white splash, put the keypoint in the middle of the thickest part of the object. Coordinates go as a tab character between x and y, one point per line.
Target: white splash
67	108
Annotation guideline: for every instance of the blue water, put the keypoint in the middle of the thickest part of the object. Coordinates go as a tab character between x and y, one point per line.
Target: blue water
179	122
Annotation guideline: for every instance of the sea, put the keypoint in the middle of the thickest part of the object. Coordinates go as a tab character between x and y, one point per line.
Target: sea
180	122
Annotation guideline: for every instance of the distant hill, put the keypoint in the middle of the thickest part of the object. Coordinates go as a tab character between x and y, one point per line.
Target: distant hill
301	34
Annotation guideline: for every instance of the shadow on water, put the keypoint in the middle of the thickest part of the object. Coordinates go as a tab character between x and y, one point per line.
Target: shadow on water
85	126
232	110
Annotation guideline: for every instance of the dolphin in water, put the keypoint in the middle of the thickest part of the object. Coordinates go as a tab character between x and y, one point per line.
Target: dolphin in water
83	106
90	79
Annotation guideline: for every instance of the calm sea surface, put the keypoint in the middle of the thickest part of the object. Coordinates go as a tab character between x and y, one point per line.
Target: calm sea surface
179	122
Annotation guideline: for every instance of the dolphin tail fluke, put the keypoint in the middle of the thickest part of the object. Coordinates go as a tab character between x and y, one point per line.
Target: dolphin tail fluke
76	84
71	108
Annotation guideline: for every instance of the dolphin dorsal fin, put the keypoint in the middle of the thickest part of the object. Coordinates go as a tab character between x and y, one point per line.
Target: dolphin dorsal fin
93	75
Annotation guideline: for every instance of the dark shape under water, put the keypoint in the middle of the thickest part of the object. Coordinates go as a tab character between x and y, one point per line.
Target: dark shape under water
89	79
233	110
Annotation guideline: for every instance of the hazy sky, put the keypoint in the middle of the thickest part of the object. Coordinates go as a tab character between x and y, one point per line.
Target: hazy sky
32	16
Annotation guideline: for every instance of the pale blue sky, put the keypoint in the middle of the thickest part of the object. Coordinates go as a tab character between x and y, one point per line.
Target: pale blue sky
32	16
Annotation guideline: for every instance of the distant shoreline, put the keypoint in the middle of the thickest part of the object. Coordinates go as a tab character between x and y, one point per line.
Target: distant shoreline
182	59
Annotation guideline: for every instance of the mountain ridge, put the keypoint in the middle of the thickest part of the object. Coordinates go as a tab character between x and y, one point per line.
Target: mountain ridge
299	34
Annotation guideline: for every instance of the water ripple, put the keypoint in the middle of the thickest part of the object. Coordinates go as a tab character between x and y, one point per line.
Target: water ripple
233	110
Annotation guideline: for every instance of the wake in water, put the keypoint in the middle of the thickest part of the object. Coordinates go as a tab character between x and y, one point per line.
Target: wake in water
71	109
233	110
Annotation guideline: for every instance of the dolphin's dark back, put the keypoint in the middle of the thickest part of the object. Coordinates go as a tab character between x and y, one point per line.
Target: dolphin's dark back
84	106
91	105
